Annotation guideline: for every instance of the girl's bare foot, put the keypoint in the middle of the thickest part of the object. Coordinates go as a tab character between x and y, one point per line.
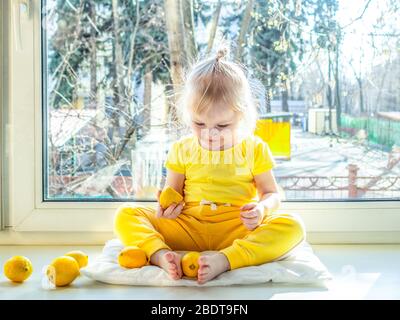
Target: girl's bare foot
211	266
168	260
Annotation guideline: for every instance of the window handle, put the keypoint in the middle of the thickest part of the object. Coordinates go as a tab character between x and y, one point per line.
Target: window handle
21	11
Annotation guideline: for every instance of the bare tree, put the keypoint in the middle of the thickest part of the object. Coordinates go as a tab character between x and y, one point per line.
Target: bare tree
188	19
244	27
214	26
177	49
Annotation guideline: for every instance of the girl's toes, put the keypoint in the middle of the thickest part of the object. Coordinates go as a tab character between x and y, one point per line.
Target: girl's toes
172	269
172	266
204	271
202	275
173	273
203	260
169	256
202	280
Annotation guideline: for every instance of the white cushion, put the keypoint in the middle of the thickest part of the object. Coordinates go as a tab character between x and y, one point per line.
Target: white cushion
301	265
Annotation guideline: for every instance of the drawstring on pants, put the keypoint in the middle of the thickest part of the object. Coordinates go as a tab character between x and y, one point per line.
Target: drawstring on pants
212	204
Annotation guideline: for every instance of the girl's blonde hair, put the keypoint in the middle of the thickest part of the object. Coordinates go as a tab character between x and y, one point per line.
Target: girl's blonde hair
215	81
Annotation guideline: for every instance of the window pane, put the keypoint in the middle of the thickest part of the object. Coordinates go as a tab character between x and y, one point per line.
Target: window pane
324	75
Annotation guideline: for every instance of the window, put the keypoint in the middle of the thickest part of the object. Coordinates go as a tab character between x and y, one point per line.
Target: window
105	73
336	134
93	111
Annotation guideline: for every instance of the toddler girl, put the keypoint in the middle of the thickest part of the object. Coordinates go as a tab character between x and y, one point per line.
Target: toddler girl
225	175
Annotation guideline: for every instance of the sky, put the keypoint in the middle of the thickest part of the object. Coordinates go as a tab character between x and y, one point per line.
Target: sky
356	34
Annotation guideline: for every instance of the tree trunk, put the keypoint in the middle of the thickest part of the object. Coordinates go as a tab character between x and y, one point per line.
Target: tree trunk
93	57
114	118
148	80
214	25
187	9
357	75
167	103
93	69
285	97
117	72
119	60
176	44
329	93
360	86
268	95
72	46
337	87
380	87
132	52
285	32
243	30
361	94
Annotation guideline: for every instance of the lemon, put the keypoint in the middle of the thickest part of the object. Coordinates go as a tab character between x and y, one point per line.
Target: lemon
18	268
80	257
132	257
168	196
62	271
190	265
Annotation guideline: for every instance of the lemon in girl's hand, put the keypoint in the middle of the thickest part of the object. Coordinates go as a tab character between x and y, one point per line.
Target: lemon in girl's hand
190	264
80	257
132	257
18	268
62	271
168	196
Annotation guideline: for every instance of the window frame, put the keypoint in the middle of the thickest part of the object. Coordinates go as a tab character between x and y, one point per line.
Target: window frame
2	42
326	222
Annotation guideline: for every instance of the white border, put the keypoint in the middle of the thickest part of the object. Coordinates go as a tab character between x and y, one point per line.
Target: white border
30	218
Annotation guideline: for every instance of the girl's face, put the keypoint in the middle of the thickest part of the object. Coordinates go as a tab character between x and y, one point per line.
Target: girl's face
216	130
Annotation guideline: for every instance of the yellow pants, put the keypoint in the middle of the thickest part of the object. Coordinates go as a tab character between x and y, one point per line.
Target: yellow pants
202	227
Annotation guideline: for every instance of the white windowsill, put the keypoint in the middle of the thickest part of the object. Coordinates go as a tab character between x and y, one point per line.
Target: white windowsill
359	272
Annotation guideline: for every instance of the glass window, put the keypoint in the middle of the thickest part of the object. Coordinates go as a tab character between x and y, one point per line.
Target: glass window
324	74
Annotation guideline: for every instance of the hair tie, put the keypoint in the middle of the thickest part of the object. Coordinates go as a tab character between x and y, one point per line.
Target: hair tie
221	53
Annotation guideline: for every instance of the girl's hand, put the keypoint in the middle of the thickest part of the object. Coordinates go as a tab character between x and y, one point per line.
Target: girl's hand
252	214
171	212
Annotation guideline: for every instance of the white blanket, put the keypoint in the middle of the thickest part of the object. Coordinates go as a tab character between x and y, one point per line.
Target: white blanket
301	265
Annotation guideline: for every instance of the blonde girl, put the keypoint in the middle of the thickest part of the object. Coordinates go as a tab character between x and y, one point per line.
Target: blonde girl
224	173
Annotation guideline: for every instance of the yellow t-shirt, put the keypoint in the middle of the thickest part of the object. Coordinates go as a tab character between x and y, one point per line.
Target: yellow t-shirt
221	176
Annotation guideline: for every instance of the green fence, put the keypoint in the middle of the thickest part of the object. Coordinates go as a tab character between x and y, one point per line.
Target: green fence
379	131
